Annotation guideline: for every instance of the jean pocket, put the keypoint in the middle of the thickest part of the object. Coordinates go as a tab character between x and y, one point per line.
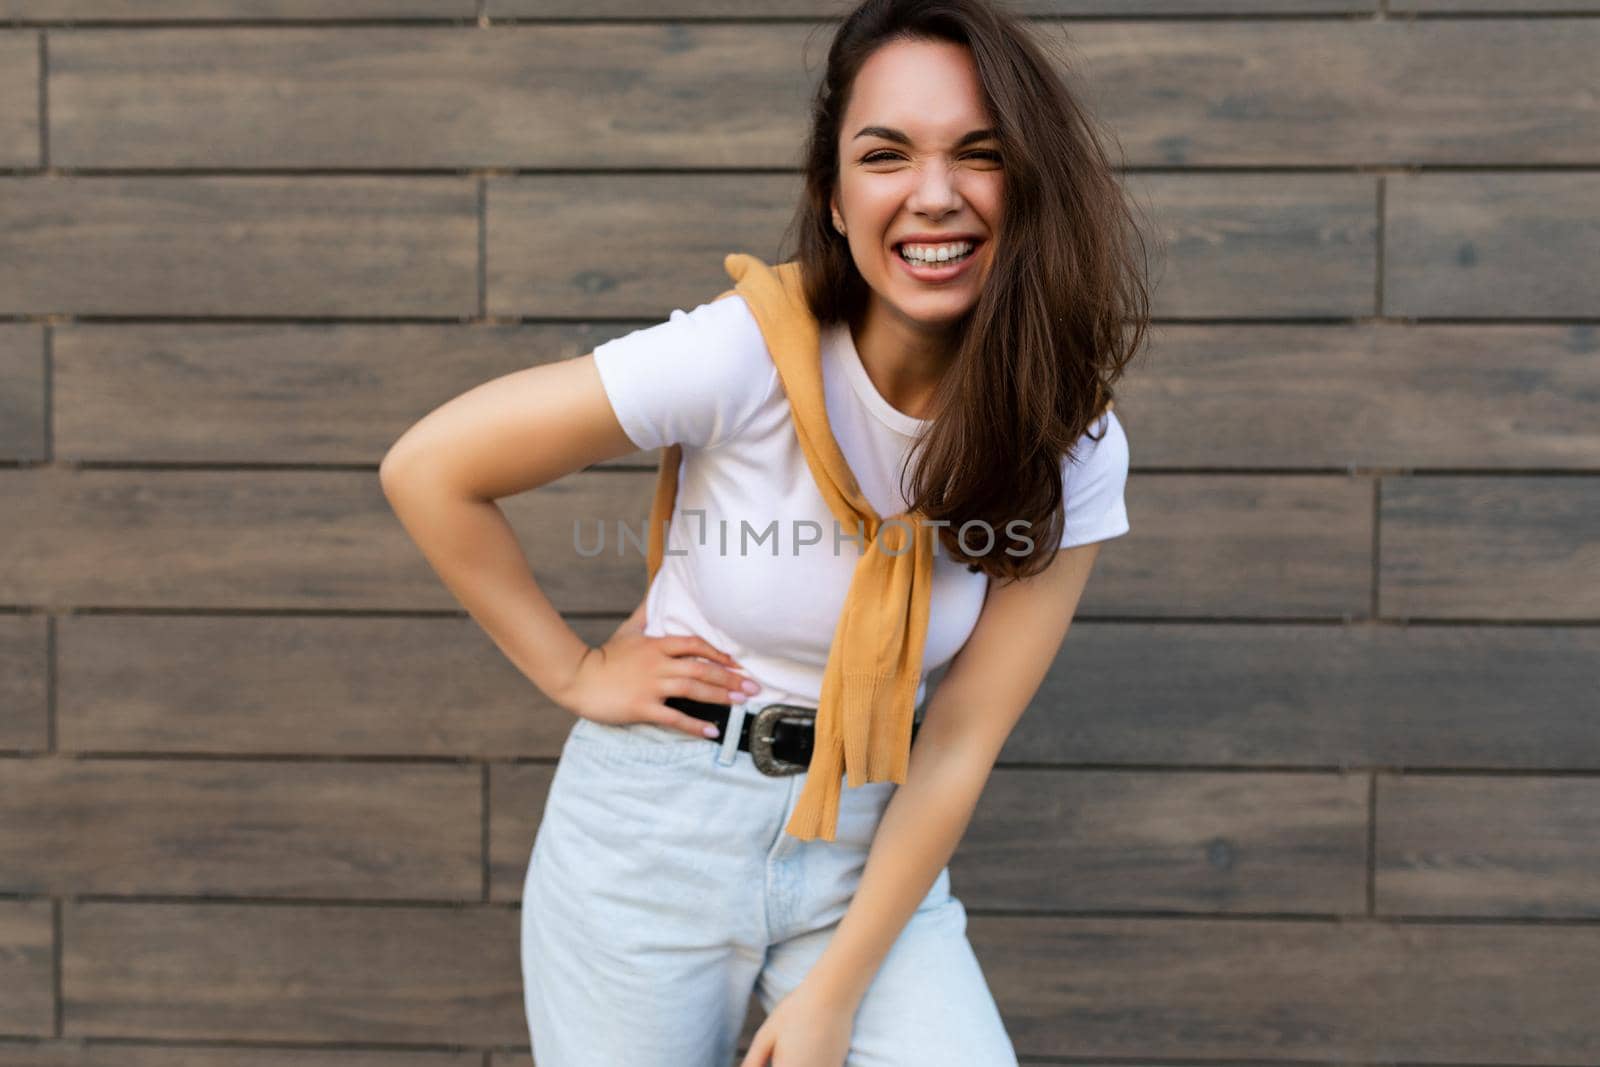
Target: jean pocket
641	744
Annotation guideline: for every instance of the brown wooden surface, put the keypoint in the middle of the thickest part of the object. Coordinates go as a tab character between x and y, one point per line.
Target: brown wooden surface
1529	543
231	828
22	406
19	98
1516	847
1312	779
1295	990
292	972
24	657
27	959
1509	246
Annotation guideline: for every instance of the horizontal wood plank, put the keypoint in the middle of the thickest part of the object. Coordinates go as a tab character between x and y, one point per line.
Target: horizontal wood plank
81	1053
1490	548
20	144
1254	695
286	539
1515	847
1231	246
238	246
22	403
1292	991
285	685
1226	545
323	539
1045	840
517	795
143	11
231	828
711	95
597	95
274	972
269	393
1516	246
1086	840
757	9
27	968
1488	396
24	682
1205	396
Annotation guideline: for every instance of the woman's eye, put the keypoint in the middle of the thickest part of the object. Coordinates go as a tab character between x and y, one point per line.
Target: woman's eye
884	157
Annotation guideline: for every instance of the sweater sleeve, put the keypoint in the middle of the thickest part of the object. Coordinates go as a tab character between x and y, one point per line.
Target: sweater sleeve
695	379
1093	482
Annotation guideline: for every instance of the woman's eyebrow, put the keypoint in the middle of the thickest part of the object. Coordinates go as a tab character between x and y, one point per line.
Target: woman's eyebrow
899	137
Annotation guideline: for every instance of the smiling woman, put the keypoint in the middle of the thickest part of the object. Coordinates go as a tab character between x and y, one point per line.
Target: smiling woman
965	290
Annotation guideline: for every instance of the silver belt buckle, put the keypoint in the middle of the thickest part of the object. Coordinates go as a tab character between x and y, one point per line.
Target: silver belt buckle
762	736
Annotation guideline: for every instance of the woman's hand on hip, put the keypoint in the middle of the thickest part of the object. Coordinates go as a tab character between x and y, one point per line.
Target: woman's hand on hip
629	678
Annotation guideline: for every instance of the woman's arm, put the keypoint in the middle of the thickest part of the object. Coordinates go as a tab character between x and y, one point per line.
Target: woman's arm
989	684
506	436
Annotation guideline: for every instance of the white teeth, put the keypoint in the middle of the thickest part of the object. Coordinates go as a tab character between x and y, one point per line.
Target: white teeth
936	253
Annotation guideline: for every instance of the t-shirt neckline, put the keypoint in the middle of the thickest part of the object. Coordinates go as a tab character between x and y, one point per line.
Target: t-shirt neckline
844	346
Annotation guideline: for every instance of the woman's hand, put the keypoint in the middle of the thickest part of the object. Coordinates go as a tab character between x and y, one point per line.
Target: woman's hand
628	678
805	1029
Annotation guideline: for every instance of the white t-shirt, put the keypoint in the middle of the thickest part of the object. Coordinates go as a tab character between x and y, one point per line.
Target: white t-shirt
746	575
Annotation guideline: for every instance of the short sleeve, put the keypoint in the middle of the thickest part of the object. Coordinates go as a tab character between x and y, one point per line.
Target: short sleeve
1093	482
694	379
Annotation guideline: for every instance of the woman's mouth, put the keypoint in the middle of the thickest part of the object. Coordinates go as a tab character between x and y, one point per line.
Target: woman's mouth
936	262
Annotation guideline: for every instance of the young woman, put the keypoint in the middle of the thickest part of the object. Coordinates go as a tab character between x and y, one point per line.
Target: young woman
977	287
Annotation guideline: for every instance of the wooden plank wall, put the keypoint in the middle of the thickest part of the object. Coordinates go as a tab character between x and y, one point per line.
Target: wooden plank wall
1314	780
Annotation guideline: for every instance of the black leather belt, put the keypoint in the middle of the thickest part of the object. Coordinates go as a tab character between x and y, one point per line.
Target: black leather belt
779	737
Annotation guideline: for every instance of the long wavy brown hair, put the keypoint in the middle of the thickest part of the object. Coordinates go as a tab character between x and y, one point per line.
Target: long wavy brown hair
1063	310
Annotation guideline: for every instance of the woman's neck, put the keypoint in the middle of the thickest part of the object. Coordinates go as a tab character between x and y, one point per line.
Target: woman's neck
904	361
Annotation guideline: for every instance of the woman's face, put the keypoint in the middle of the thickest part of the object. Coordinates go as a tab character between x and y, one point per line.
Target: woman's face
915	161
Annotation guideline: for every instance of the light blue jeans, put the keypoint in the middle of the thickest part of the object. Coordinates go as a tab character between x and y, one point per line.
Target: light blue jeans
662	890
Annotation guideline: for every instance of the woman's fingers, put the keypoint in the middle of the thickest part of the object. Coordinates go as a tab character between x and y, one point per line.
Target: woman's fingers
674	719
689	645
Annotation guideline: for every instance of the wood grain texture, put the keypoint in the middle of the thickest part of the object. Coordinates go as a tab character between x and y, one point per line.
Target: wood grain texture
836	9
1487	396
19	98
1044	840
238	246
1344	93
291	972
22	403
281	685
298	539
1490	548
1260	695
24	685
706	96
278	393
662	94
1222	545
1515	246
518	792
1230	246
293	539
1293	990
27	955
232	828
81	1053
143	11
624	244
1489	846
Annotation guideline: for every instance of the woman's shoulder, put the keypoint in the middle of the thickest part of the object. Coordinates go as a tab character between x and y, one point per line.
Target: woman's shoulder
695	378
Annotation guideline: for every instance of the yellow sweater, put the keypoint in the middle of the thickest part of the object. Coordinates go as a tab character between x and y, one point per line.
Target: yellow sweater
863	724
